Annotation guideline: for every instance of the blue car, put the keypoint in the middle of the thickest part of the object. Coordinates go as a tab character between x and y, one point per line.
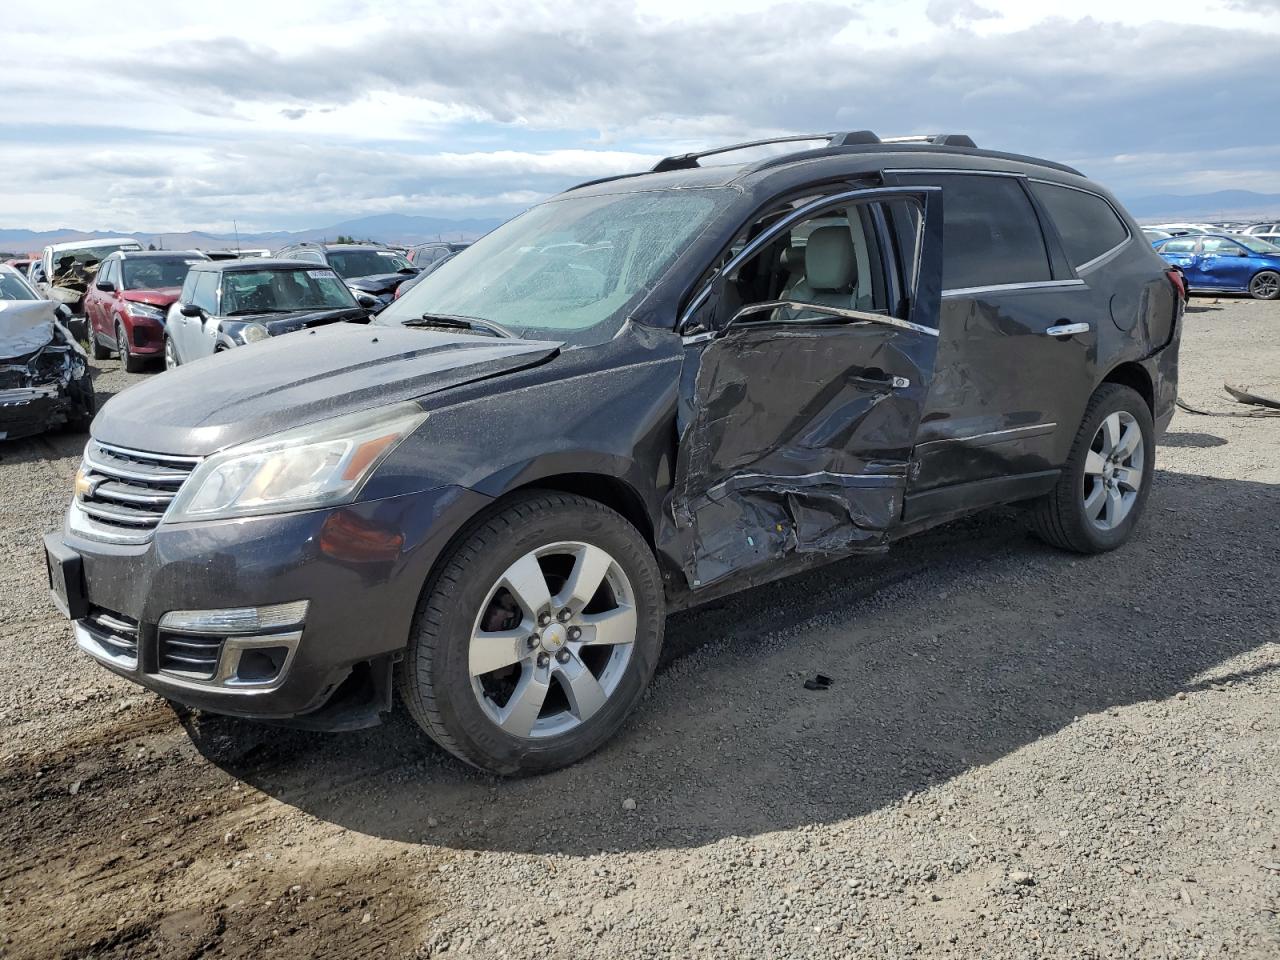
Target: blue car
1227	263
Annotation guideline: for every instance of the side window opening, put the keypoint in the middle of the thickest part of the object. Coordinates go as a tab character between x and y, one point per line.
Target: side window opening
1086	223
832	259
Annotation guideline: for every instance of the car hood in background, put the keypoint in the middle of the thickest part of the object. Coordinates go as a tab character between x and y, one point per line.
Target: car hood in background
278	323
254	391
380	282
159	297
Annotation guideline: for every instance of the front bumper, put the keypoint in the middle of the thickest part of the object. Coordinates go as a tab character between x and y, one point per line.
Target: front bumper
360	568
26	411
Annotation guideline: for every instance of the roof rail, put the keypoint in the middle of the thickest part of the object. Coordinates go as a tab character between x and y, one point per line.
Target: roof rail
687	161
939	139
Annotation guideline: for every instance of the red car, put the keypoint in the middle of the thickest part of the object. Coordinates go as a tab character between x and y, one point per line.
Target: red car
128	300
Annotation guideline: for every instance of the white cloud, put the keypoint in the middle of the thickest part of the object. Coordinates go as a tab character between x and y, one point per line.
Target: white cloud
286	115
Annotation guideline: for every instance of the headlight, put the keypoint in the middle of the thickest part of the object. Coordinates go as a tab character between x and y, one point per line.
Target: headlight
144	311
319	465
253	332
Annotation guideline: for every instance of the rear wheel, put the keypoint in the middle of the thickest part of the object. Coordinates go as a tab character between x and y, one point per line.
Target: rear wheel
1265	286
130	362
537	635
1104	484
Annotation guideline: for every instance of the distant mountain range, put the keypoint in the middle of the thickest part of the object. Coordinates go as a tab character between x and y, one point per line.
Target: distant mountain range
403	228
388	228
1222	205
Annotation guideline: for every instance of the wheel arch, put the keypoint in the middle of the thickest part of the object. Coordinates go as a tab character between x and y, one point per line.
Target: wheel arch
1135	376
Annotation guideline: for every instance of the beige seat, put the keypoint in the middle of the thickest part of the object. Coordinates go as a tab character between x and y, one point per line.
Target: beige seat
828	273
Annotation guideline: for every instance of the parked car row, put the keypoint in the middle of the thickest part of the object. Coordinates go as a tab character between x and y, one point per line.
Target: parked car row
1225	263
644	393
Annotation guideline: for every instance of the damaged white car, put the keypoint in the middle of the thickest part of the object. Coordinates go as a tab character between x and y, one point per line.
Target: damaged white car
44	373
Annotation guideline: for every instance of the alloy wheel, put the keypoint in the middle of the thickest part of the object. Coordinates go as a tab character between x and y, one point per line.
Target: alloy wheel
122	343
552	640
170	357
1265	286
1113	470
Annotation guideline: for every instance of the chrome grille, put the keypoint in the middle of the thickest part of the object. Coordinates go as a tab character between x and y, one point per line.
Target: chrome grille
125	493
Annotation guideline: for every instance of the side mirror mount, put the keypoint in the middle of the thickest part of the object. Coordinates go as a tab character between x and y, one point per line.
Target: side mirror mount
191	310
106	286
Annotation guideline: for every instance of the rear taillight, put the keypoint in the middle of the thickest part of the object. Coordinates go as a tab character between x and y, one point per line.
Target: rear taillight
1179	282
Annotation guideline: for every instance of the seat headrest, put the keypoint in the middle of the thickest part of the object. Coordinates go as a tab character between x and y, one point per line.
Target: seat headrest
793	259
829	261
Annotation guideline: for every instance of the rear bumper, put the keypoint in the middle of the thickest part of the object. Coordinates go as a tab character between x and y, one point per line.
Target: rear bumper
360	568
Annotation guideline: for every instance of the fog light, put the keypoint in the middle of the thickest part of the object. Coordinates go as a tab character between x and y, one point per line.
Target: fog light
236	620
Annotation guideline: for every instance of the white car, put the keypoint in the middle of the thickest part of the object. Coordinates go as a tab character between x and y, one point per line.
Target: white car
1262	230
1183	229
68	267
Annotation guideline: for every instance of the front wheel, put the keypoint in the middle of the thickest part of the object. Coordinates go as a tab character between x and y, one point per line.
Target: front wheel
131	363
1265	286
170	353
1104	484
536	636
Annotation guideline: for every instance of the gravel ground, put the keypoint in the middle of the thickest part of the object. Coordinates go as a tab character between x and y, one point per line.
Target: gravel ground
1023	754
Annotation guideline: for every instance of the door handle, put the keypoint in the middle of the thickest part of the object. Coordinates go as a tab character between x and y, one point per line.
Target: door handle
1067	329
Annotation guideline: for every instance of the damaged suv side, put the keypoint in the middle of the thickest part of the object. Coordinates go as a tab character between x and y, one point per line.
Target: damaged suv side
641	394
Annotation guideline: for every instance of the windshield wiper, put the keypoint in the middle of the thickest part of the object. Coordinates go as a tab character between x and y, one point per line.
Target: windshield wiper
247	311
455	322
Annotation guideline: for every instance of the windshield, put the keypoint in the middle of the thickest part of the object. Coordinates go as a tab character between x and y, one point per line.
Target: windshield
366	263
12	288
1258	245
152	273
567	269
245	291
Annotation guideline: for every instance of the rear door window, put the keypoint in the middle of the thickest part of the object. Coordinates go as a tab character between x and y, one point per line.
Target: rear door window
990	232
1087	224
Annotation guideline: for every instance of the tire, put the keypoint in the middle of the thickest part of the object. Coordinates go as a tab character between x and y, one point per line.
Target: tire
170	353
99	351
131	363
1069	517
462	712
1265	285
86	404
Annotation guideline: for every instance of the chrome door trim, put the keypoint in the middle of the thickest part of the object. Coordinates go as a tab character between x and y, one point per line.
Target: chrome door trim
1032	430
858	316
1011	287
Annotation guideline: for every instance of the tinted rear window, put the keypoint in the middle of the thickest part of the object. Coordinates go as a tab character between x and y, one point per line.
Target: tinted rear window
990	233
1086	223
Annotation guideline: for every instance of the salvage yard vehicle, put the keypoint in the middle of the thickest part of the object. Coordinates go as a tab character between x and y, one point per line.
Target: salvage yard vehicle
44	374
372	272
68	268
128	301
1226	263
646	392
228	303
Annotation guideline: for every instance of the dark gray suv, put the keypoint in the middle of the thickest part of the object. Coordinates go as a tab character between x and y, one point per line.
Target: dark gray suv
643	393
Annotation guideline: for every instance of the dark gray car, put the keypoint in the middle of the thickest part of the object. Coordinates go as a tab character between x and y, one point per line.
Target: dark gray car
646	392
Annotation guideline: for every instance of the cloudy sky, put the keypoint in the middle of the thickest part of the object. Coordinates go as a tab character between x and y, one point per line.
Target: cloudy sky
296	114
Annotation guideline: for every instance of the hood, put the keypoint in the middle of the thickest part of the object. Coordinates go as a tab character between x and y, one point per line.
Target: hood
25	325
159	297
277	324
379	282
254	391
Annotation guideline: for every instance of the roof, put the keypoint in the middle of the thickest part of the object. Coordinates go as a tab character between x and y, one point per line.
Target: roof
258	263
144	254
95	242
856	153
